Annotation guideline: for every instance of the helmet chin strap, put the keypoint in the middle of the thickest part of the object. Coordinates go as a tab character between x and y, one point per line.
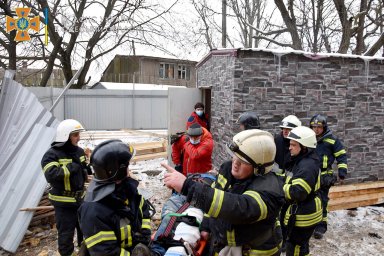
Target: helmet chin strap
260	167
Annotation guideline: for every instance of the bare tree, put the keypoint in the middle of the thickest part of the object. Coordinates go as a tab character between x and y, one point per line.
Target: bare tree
248	14
324	25
79	36
8	59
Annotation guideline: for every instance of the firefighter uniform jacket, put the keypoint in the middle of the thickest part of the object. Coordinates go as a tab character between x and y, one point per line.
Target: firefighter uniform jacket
300	188
328	149
239	212
66	170
116	223
282	151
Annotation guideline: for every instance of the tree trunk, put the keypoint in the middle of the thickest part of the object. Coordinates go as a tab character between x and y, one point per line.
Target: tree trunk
12	50
360	46
345	24
290	23
51	62
376	46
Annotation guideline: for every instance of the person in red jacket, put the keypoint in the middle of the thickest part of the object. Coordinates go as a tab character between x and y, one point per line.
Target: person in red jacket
198	116
198	150
178	141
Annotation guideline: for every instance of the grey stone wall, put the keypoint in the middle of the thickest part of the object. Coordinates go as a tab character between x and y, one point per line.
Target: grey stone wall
350	91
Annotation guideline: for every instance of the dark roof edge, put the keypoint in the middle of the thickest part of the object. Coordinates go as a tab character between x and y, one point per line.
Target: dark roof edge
218	52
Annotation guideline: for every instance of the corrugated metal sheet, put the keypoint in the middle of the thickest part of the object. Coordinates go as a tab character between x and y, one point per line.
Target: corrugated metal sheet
26	131
117	109
110	109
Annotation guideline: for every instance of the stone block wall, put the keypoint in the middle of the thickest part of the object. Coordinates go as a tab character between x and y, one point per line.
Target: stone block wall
348	90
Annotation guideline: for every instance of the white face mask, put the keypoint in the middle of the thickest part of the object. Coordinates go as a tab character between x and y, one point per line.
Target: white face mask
194	142
199	112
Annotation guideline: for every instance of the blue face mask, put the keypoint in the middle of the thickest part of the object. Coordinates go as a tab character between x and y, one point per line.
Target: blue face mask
194	142
199	112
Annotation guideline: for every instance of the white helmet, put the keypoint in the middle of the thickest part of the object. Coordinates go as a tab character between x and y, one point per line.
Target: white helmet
303	135
65	128
290	122
255	147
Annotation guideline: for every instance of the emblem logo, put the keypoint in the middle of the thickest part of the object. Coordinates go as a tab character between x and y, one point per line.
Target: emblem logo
22	24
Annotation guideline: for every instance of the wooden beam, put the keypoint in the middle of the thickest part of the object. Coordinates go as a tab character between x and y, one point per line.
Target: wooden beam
365	185
150	156
356	195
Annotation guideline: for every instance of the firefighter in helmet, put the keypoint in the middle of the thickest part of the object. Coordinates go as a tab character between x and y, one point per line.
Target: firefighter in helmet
329	148
66	170
114	216
301	185
243	205
282	157
249	120
282	143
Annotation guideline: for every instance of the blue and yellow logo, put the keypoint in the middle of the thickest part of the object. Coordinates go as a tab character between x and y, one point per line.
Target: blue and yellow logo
22	24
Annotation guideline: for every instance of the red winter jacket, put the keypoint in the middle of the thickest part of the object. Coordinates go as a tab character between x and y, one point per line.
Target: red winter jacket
203	121
198	158
178	149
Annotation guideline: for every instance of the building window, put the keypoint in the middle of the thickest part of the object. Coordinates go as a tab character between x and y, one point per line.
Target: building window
184	72
167	71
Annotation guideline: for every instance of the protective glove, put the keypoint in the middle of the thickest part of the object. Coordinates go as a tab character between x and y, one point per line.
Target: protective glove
179	168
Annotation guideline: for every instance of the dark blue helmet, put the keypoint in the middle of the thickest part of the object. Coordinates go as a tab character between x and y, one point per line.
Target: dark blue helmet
319	120
250	120
110	161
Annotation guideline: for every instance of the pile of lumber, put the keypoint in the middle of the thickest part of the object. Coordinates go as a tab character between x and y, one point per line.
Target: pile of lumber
149	150
356	195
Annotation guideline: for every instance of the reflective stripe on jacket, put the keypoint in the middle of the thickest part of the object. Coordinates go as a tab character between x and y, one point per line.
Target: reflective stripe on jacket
66	172
300	188
116	223
329	148
239	213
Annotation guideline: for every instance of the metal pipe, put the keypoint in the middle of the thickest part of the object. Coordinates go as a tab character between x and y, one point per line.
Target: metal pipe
66	88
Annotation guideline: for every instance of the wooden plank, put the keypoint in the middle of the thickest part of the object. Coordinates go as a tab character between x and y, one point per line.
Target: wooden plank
365	185
147	144
358	198
37	208
145	151
344	206
353	193
149	156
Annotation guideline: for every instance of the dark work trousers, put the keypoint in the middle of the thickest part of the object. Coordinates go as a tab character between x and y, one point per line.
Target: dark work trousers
283	227
298	242
323	194
66	223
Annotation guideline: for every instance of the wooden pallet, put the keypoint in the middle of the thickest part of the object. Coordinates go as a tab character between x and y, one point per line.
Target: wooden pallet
356	195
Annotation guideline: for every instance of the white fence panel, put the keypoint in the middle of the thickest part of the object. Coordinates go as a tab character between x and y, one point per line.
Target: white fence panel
109	109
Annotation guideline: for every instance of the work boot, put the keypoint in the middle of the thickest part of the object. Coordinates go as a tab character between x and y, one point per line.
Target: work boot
318	234
141	250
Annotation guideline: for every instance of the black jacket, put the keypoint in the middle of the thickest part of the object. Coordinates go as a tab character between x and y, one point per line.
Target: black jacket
241	212
116	223
329	148
282	151
301	186
66	170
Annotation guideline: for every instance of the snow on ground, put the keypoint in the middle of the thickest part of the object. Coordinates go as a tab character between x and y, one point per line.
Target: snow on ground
353	233
356	232
350	233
